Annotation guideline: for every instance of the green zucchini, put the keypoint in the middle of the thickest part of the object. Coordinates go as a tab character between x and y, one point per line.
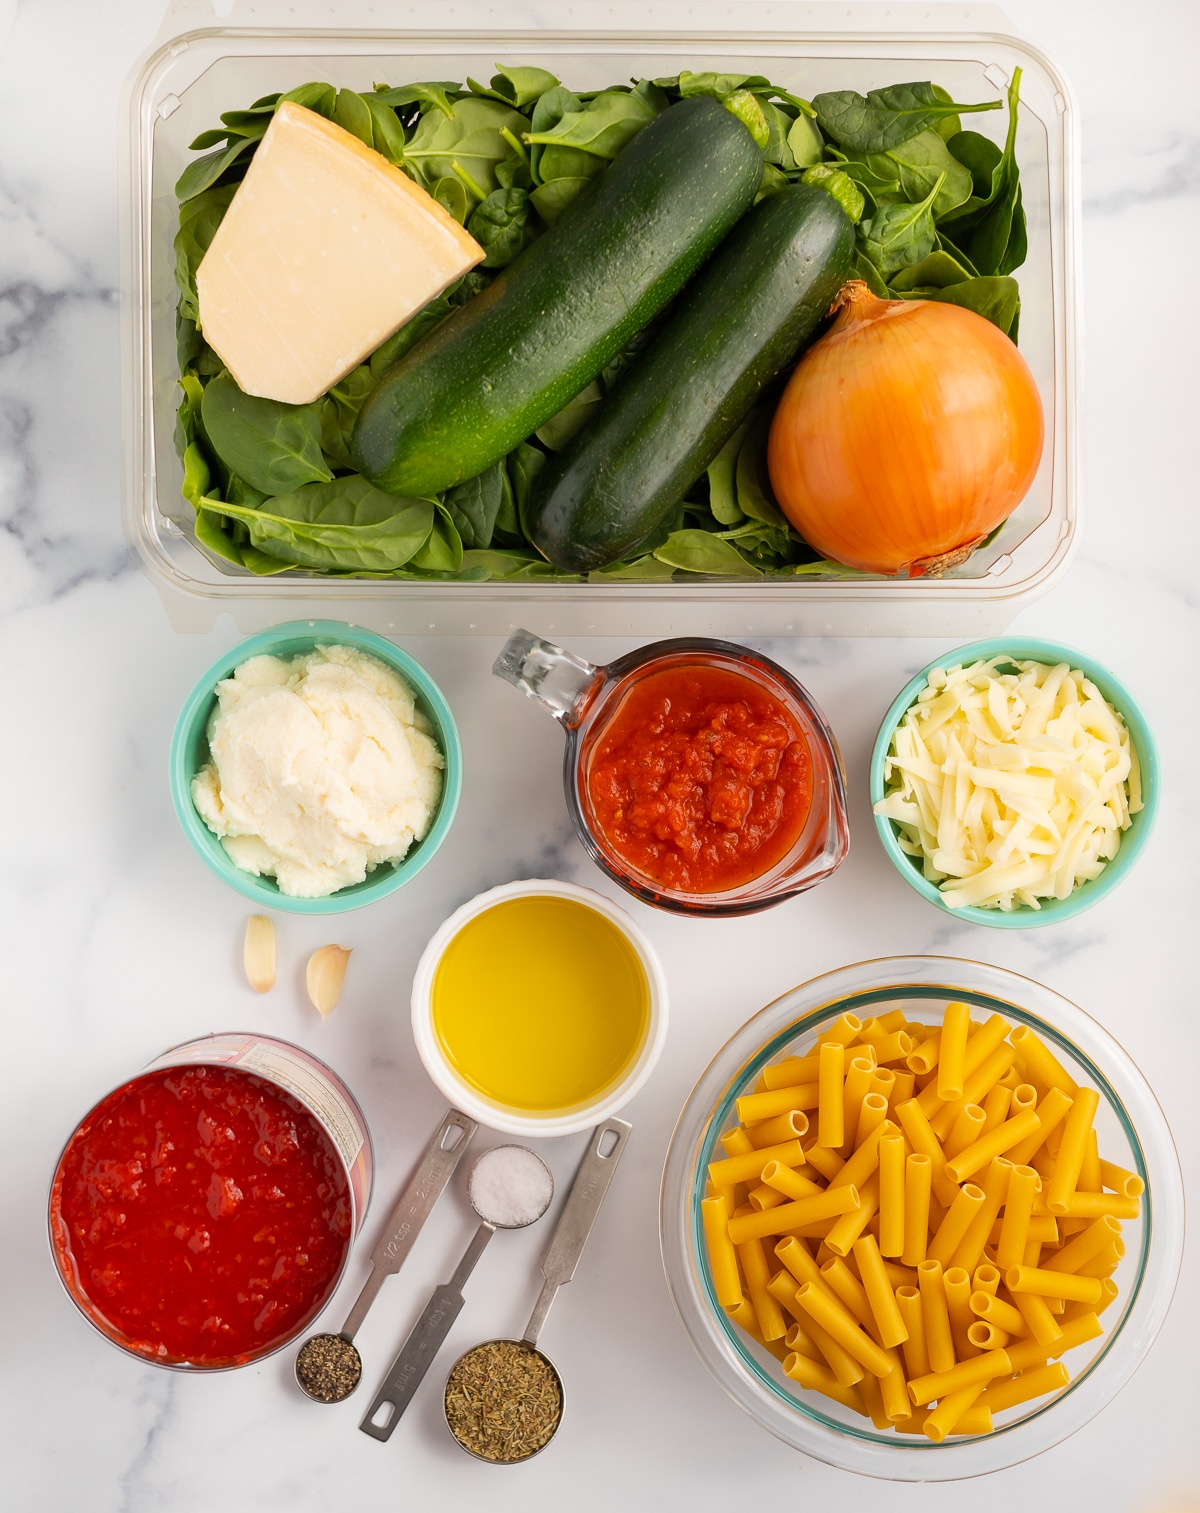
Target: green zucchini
507	360
736	327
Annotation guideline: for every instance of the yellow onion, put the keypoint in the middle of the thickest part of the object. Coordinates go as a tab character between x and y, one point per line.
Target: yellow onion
905	435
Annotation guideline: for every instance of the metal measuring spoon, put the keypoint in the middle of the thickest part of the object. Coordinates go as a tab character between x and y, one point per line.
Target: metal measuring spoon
328	1366
498	1207
558	1267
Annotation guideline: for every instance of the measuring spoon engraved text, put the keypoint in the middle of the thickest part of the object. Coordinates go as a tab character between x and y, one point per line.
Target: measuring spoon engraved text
558	1267
328	1366
509	1188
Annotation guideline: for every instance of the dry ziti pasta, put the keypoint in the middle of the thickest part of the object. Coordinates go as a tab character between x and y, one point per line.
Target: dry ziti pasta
916	1220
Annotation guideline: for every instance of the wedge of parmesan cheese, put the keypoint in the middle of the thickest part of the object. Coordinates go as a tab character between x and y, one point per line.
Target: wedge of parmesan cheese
1010	786
325	250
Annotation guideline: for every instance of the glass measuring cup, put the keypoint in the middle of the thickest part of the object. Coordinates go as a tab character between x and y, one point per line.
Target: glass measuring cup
502	1201
588	1191
585	699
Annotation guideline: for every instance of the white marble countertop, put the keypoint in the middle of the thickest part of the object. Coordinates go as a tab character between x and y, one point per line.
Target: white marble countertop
117	942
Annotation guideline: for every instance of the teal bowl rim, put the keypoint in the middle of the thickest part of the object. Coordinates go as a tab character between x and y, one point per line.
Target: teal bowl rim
197	707
1053	911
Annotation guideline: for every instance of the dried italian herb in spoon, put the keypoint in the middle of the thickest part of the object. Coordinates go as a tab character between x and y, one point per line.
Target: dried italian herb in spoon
503	1401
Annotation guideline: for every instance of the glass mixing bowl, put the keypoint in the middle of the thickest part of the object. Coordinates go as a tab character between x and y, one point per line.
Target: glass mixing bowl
1132	1133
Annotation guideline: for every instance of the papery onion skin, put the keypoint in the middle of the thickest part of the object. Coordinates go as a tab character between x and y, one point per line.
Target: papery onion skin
905	436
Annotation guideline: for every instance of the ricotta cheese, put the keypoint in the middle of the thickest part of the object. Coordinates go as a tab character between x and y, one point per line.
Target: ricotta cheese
322	768
1010	787
325	250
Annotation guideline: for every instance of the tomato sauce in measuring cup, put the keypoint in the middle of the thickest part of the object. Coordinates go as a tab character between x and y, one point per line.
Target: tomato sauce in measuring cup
699	775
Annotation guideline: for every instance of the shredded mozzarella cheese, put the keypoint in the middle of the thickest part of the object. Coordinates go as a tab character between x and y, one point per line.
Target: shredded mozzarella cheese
1010	786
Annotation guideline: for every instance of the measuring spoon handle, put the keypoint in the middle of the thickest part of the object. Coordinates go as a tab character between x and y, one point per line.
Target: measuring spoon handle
416	1355
426	1185
575	1223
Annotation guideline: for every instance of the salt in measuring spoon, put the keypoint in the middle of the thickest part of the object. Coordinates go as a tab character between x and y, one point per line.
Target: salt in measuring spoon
328	1366
537	1373
509	1188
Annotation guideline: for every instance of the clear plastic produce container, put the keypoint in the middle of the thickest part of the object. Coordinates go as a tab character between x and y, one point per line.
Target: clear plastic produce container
207	64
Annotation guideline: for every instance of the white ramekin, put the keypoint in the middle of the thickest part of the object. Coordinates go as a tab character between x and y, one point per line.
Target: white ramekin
498	1116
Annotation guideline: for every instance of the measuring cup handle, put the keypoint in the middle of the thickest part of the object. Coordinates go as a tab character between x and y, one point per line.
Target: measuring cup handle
561	683
413	1207
407	1371
588	1190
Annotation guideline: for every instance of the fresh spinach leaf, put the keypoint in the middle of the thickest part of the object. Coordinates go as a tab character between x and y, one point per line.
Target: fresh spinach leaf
722	489
434	96
482	565
569	163
946	126
805	142
897	236
503	225
451	194
990	226
718	85
203	173
409	334
211	534
507	530
515	171
517	87
547	113
273	446
749	111
939	271
997	299
697	551
777	148
442	551
884	118
604	126
523	465
773	180
198	222
558	430
656	98
981	157
339	411
386	131
919	163
753	486
865	269
646	569
474	505
884	188
344	524
833	181
189	344
470	137
229	134
313	96
550	200
352	114
999	242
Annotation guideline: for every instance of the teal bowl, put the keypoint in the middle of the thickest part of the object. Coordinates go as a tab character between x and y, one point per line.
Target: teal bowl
1133	840
189	752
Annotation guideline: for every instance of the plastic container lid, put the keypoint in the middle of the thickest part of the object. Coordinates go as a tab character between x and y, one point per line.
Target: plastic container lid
200	70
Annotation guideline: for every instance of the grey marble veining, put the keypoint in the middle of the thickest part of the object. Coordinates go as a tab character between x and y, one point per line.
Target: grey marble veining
117	942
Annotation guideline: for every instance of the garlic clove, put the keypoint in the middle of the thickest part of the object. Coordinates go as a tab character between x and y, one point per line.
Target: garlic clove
258	953
325	976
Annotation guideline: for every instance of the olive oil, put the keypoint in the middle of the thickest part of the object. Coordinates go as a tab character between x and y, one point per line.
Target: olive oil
540	1003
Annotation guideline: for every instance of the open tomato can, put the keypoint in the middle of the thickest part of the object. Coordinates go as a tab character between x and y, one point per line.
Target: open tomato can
699	775
201	1215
